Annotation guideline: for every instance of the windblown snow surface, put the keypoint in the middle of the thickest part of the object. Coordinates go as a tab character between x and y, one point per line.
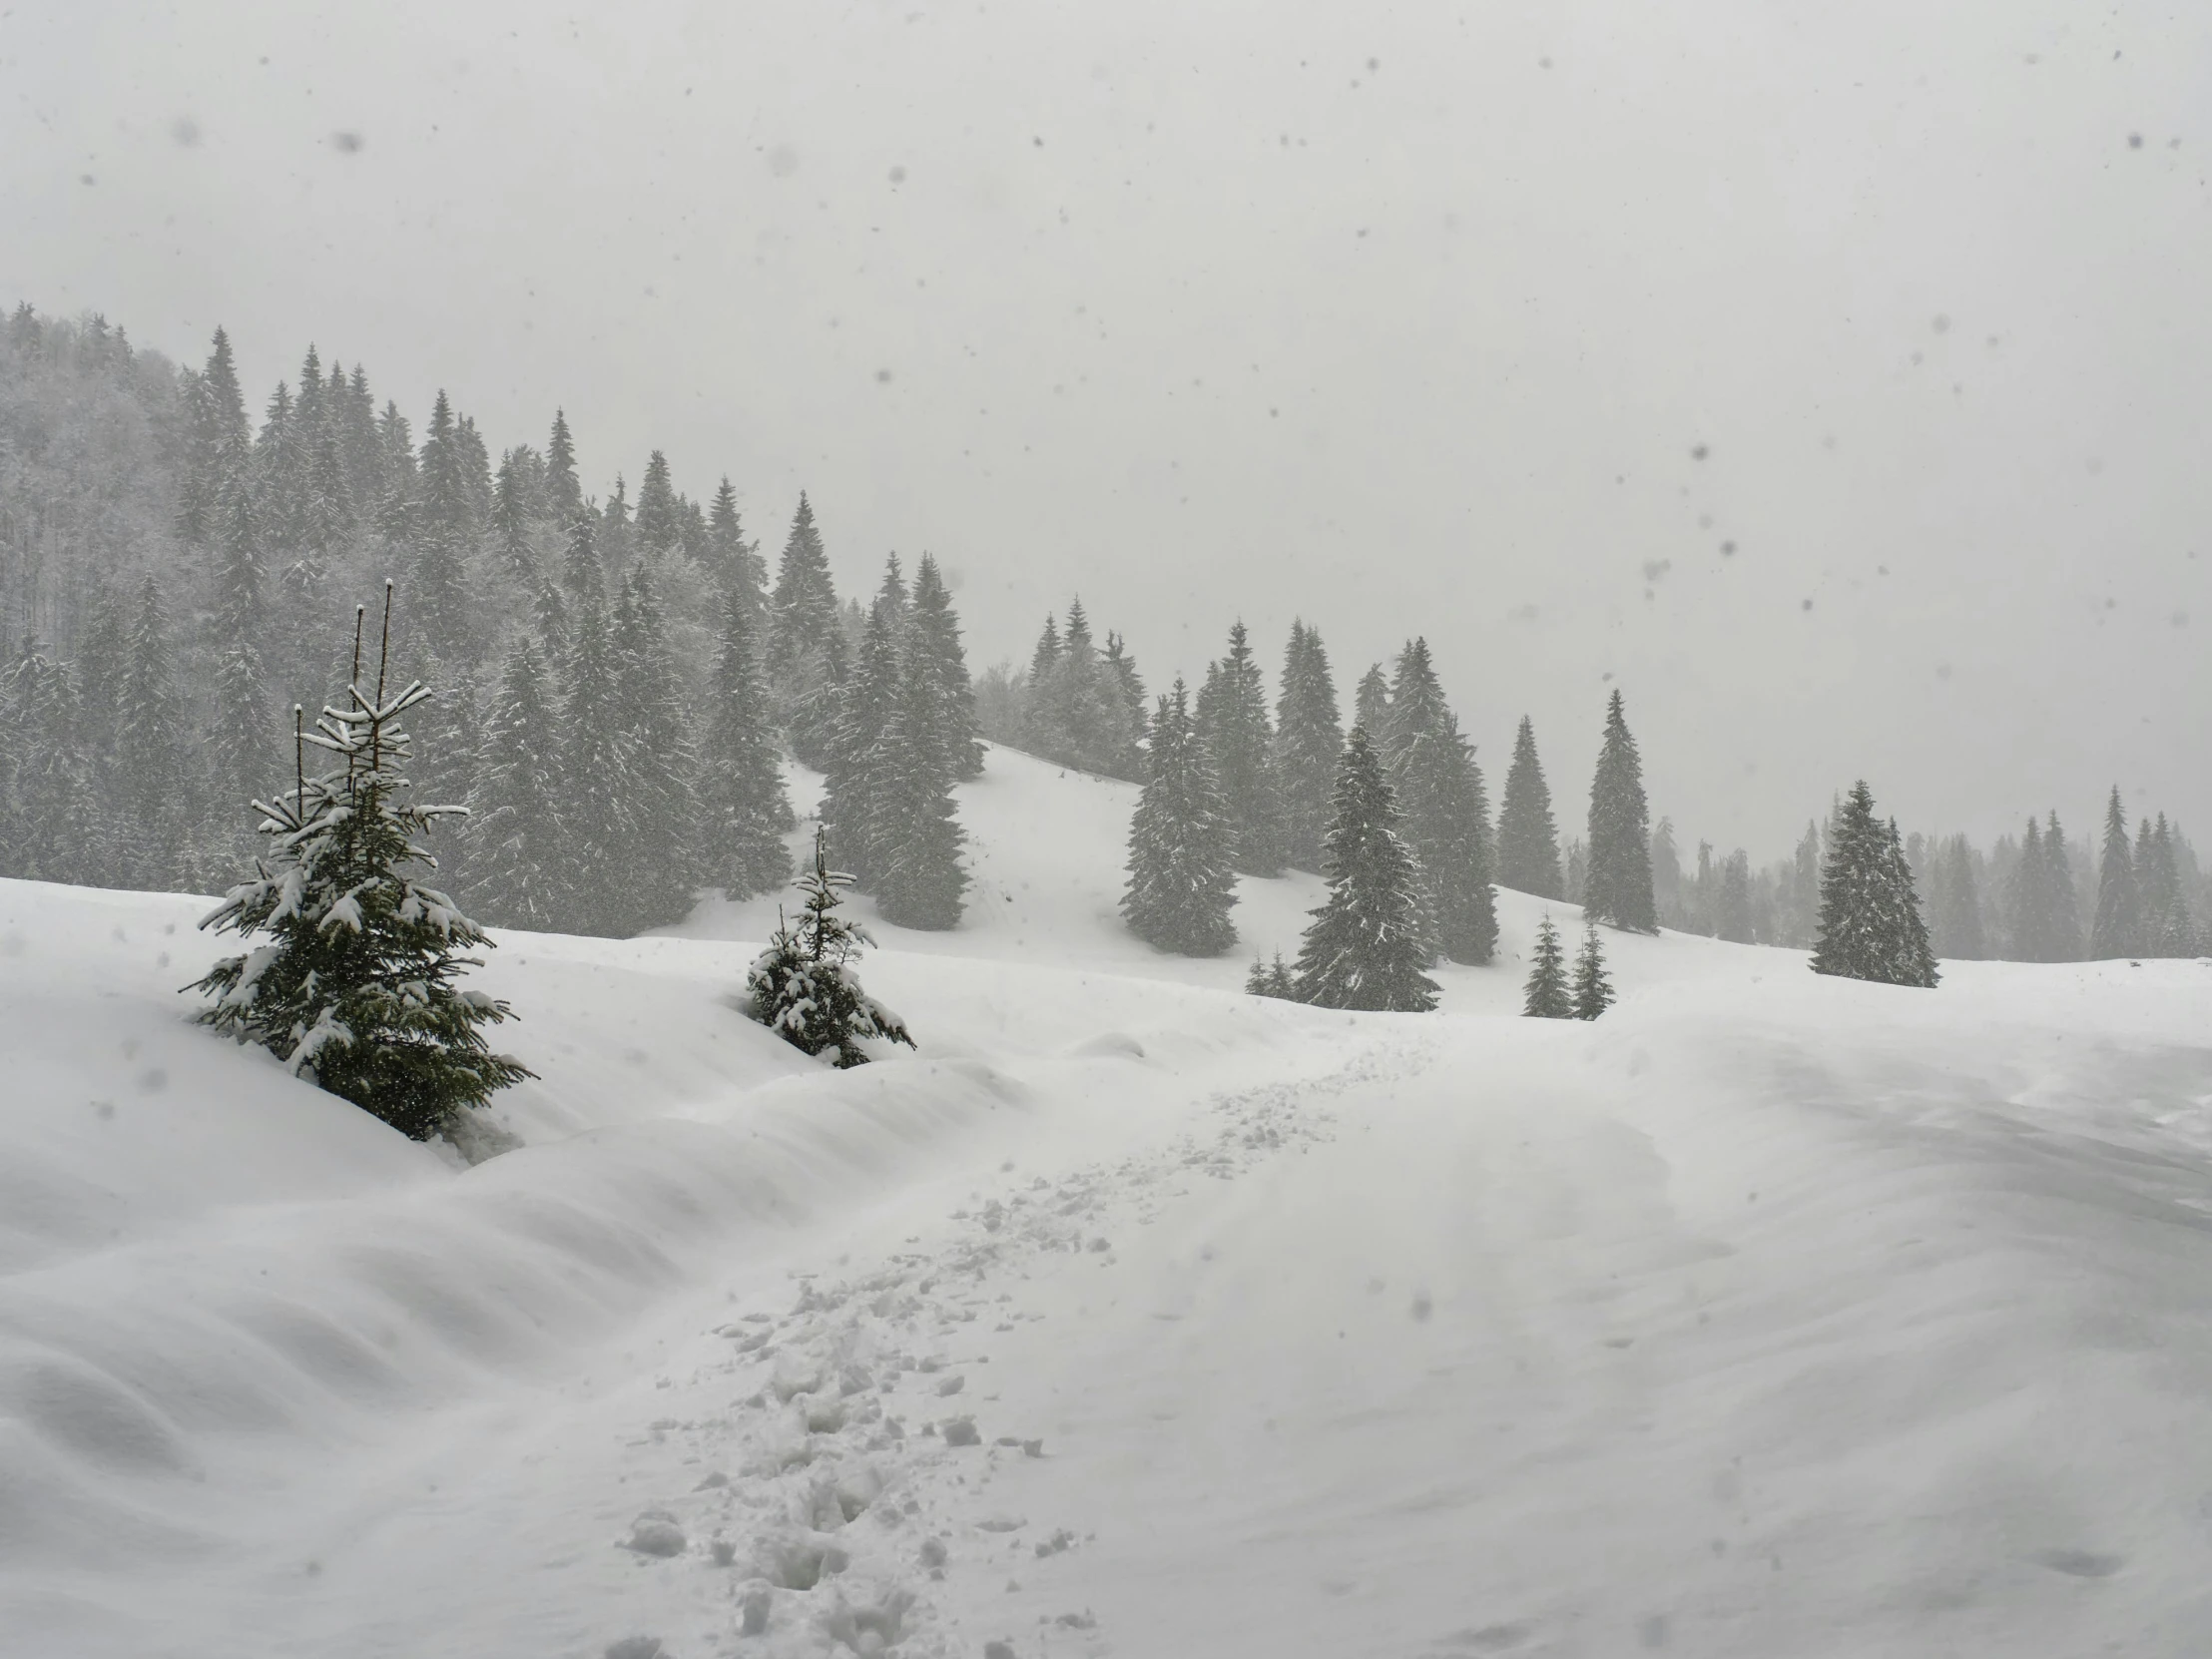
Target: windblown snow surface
1769	1315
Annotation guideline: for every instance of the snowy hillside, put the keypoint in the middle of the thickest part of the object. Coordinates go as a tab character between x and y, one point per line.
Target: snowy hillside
1771	1315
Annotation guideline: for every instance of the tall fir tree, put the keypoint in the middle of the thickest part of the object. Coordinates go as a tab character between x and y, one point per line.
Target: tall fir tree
155	792
50	819
1593	987
664	837
563	489
1181	882
1527	837
1309	736
1546	994
658	526
511	519
916	834
1369	943
1371	706
598	799
443	532
1617	889
1870	925
733	557
2066	906
805	642
1733	919
2031	923
934	636
2118	928
516	836
1442	805
240	753
1233	725
855	782
356	991
744	810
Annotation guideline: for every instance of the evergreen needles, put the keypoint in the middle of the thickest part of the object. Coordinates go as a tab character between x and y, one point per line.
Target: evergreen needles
355	990
803	986
1871	925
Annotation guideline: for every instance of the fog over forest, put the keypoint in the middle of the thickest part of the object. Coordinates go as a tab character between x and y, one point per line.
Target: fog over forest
1830	380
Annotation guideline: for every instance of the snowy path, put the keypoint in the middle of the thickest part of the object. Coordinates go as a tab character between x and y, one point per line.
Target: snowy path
1500	1339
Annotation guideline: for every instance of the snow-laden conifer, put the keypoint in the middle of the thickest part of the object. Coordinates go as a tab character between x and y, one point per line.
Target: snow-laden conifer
1233	725
663	841
1271	979
1445	813
155	792
1617	888
803	986
1181	885
2065	905
1367	944
744	810
516	835
859	765
1593	988
933	637
1309	736
597	772
355	988
1527	837
1870	923
2118	929
1546	995
914	830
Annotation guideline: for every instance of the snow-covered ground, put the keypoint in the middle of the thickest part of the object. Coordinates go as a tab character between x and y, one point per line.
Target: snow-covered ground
1769	1315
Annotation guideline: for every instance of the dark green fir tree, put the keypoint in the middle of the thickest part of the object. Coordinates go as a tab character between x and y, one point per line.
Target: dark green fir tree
1369	943
1593	987
1181	882
1444	809
1233	725
933	639
357	988
915	836
803	986
516	836
662	877
598	793
1527	837
1546	995
744	810
1617	888
856	780
2118	931
1309	736
1869	921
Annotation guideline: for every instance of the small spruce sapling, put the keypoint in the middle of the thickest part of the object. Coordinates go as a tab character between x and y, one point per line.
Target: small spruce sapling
1546	996
1270	979
803	988
1593	991
355	992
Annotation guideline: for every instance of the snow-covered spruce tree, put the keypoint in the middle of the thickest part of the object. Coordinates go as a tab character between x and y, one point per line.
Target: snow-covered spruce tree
1371	707
2028	919
914	830
858	762
1270	979
1870	924
744	810
2118	931
47	801
1445	812
1527	838
663	807
516	838
933	637
1617	888
1732	907
1546	995
1181	885
2065	908
803	988
1309	736
2165	899
1954	905
1593	989
239	750
1366	946
1233	725
597	768
155	791
804	650
355	990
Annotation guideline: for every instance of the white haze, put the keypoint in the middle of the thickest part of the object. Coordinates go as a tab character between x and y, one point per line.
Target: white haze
1400	317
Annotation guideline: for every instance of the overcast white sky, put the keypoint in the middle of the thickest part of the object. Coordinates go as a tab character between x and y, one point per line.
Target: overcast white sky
1402	317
